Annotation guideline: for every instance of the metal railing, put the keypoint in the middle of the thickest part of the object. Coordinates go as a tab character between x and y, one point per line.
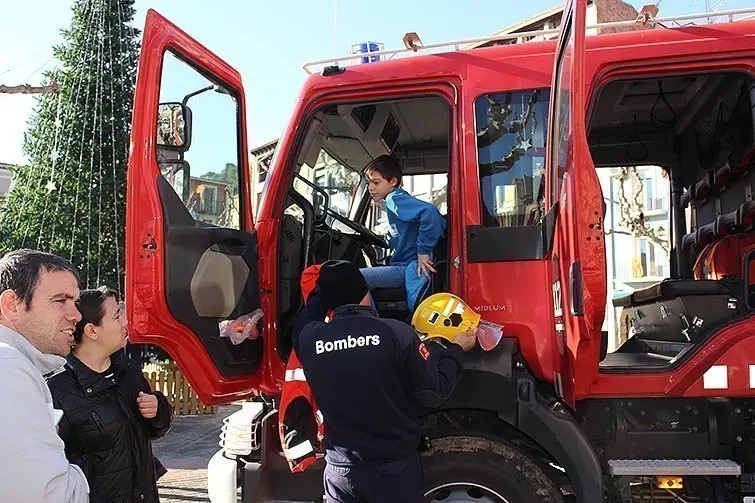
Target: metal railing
455	44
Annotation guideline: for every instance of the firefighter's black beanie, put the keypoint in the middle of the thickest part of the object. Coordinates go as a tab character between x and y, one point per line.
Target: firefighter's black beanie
341	283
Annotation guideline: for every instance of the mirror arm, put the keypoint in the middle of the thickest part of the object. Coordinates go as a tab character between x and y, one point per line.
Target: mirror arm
194	93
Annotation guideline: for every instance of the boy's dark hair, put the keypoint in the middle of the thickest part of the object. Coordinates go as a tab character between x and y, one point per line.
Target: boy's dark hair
387	167
20	271
91	305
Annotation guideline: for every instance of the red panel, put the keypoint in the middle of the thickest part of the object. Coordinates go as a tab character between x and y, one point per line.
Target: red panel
149	318
530	322
733	347
579	251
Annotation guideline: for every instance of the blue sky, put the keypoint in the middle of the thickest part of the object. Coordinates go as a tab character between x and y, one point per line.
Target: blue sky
267	41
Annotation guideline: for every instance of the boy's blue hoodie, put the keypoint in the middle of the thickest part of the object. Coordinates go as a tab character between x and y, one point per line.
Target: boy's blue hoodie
415	226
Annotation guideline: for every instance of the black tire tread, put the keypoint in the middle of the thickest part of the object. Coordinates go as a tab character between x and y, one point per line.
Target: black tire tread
490	463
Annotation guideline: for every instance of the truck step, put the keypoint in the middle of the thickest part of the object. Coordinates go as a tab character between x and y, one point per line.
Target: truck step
674	467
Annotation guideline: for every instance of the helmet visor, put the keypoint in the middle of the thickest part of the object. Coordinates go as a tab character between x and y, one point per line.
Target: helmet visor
489	334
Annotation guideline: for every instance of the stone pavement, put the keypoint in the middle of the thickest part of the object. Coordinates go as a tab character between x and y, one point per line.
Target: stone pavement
185	451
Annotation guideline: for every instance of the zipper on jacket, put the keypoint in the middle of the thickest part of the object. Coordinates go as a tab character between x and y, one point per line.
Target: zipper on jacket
101	427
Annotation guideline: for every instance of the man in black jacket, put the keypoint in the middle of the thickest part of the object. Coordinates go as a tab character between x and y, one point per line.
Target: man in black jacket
368	376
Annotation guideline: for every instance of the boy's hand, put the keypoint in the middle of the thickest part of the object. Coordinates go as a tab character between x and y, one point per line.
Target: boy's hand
424	265
467	340
147	405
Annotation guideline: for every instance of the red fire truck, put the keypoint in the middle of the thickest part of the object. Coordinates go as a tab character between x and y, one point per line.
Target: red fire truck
520	134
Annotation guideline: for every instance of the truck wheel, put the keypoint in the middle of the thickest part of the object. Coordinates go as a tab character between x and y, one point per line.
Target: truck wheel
473	469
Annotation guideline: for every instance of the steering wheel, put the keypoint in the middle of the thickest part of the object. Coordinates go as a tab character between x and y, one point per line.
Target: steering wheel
366	234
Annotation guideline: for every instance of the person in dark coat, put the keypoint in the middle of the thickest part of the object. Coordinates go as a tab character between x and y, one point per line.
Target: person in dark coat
369	377
110	414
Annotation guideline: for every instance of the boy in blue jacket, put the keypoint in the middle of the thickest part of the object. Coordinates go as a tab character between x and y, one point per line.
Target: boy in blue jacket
415	227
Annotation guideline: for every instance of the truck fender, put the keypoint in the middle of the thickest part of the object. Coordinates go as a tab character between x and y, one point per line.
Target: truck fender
498	381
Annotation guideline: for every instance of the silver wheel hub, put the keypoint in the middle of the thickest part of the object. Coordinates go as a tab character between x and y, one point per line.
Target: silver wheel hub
463	492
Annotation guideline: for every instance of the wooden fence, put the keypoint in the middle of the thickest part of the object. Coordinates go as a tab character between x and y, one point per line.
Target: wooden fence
176	388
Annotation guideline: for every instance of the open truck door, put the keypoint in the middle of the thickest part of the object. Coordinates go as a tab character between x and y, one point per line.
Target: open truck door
578	272
191	246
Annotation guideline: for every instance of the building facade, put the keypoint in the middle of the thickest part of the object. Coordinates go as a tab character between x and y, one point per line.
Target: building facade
5	180
209	201
598	11
259	163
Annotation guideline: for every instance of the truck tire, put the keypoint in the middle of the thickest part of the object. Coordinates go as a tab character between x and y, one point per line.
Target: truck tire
463	468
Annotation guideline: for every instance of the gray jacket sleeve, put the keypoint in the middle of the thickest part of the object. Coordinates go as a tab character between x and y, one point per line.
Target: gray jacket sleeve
39	471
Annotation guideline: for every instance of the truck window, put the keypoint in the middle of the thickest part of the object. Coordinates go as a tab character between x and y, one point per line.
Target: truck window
341	184
205	175
560	143
511	142
338	142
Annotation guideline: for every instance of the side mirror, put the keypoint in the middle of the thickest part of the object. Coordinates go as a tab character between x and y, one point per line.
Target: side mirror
174	127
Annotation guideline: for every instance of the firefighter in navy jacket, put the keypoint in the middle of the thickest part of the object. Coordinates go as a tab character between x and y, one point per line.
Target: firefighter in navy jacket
369	376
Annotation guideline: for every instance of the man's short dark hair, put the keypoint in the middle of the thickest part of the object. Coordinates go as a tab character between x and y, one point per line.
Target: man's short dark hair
91	305
387	167
20	271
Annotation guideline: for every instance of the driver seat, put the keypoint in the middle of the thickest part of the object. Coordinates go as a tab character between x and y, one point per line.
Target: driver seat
392	302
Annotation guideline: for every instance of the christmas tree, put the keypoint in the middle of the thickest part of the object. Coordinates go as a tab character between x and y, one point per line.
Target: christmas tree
70	197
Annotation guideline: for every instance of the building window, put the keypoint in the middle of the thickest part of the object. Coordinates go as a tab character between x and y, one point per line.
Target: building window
428	187
643	257
422	184
654	188
648	189
511	143
407	183
263	166
210	200
440	180
653	260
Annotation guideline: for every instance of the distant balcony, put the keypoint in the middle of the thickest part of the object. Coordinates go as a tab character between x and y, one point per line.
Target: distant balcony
210	209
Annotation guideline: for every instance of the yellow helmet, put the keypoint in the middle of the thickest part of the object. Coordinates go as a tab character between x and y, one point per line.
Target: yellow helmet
443	315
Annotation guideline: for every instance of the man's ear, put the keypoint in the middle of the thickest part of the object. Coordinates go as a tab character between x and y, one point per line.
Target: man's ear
10	305
366	301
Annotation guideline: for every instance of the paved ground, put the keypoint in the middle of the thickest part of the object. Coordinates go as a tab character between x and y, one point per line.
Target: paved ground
185	452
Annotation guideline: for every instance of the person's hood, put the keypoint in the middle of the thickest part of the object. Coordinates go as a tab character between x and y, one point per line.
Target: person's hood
45	363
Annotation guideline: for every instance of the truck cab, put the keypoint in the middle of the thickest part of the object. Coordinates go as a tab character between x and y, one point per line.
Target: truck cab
509	142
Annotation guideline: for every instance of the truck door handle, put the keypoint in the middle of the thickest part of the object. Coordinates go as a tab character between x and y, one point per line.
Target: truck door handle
576	303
